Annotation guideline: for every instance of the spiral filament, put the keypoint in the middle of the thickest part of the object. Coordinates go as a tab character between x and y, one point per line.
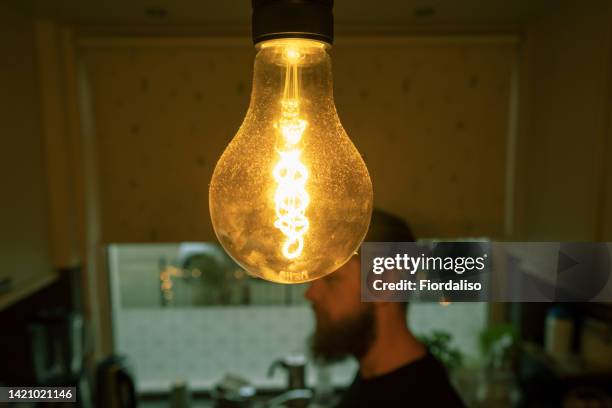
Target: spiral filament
291	198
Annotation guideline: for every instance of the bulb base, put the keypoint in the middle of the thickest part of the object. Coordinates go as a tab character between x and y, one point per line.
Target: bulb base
311	19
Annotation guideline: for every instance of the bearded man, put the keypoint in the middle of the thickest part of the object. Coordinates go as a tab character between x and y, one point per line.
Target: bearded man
395	369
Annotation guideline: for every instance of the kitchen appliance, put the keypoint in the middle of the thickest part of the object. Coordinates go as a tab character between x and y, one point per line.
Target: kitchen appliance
115	386
55	338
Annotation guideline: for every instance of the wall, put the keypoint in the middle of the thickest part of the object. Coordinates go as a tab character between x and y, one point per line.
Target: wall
607	185
428	116
24	250
565	124
202	344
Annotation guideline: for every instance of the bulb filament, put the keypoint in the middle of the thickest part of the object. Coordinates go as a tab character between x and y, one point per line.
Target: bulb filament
291	198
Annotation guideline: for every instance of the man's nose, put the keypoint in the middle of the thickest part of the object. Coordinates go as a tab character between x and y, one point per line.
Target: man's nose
313	291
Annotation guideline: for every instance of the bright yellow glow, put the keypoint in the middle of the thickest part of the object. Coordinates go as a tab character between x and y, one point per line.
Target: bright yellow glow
292	54
291	198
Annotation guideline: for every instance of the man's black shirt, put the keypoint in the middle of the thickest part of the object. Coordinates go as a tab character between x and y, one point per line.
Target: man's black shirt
421	383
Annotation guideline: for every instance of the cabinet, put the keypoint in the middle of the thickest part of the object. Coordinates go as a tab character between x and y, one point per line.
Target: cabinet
25	251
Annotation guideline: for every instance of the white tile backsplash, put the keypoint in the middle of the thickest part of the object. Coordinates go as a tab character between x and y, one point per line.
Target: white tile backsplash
201	344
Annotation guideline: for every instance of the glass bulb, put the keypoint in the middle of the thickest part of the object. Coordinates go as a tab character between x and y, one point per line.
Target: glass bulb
291	198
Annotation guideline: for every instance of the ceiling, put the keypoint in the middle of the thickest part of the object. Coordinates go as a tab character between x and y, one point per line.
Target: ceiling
348	13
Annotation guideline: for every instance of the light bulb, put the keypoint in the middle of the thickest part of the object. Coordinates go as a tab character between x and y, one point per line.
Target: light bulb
291	198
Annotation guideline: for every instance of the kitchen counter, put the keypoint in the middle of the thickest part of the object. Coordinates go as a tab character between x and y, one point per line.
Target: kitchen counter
204	400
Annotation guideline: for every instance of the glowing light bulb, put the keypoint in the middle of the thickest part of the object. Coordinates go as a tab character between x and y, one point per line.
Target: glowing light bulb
291	198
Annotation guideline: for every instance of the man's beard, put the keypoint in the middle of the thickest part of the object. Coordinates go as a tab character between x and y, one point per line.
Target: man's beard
351	336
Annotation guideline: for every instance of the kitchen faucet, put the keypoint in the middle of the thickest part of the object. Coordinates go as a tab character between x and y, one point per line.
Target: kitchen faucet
297	395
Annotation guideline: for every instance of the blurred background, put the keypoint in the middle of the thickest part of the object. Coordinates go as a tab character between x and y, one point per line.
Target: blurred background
476	118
